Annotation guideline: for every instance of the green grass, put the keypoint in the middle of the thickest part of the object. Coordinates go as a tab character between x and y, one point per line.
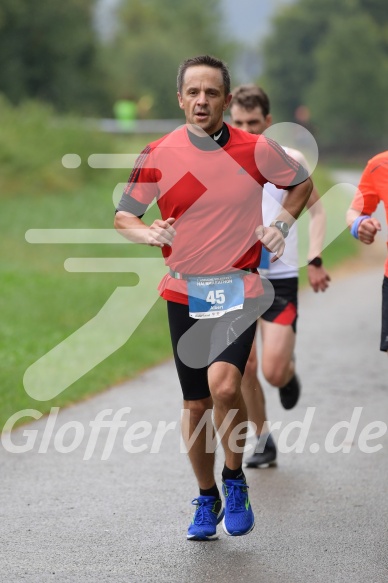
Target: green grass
338	245
42	304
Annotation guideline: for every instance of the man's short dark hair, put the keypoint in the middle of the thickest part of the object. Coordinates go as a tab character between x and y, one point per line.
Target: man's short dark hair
249	97
209	62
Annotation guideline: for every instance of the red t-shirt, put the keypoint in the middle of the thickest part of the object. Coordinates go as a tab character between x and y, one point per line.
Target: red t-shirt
215	197
373	188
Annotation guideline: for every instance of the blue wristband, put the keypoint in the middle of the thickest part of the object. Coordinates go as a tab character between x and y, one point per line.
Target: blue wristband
354	229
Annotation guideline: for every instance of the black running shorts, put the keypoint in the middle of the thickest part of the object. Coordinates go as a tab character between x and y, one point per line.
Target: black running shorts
284	309
384	319
198	343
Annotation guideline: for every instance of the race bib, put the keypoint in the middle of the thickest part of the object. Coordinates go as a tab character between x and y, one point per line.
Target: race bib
212	296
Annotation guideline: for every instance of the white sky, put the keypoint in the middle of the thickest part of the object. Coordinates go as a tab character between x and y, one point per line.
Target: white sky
249	20
245	20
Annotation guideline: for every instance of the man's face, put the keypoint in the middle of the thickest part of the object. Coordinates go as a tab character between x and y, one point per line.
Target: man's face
252	121
203	97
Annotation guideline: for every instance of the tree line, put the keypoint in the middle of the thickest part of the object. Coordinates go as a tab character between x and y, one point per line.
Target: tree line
331	58
325	62
51	51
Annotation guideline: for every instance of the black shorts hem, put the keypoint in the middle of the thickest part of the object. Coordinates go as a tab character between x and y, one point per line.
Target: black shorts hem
284	309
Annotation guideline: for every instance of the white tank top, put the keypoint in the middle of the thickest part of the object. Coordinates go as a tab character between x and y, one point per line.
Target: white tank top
287	266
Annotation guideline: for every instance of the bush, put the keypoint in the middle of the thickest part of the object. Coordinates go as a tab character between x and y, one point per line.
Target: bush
33	141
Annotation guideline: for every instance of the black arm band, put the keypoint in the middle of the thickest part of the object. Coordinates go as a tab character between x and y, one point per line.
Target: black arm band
130	205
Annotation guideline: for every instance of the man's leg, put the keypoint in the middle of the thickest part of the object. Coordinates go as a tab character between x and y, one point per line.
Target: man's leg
197	407
229	412
278	361
198	434
278	329
253	393
384	317
231	343
264	453
226	340
224	382
277	353
199	449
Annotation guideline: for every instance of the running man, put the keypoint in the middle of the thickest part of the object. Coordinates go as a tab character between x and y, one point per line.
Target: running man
211	241
373	189
250	111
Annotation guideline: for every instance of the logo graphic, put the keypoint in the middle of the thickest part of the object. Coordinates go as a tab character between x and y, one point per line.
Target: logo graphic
126	308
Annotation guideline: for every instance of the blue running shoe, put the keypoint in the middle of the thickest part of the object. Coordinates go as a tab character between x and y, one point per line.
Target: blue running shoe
208	513
239	518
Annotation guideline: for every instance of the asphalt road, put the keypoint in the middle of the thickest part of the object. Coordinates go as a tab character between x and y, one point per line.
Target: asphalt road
320	517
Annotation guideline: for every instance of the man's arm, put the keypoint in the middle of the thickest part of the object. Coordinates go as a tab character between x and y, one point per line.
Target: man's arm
293	204
142	180
317	275
317	224
159	234
359	215
366	229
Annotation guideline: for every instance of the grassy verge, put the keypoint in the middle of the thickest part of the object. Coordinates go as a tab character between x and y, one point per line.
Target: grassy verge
43	304
338	245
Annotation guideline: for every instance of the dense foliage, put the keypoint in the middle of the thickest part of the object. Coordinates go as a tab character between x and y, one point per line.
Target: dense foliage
333	58
49	51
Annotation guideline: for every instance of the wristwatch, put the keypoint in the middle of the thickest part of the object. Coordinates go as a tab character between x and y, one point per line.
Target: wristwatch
317	261
282	226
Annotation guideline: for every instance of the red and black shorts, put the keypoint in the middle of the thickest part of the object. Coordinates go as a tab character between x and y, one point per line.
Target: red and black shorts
284	309
384	319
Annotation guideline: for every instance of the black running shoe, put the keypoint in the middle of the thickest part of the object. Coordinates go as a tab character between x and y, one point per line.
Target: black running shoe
264	456
289	394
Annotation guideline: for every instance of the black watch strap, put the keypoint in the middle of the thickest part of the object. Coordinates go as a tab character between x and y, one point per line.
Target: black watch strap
317	261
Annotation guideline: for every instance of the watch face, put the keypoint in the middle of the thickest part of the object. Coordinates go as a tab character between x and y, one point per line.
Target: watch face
283	227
